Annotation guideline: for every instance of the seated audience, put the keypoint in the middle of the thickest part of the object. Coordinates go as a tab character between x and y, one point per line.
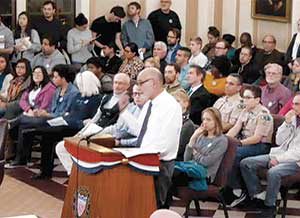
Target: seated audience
50	55
215	79
160	51
188	127
269	54
112	61
85	107
231	50
9	106
96	65
182	59
173	41
230	105
254	129
27	40
64	97
132	64
213	36
245	67
280	162
203	154
274	95
199	96
293	80
107	114
171	76
197	58
80	42
6	75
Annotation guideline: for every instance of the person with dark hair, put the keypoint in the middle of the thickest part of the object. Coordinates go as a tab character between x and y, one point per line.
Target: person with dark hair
199	96
132	64
171	76
107	29
6	75
231	50
39	93
97	65
173	42
213	36
254	129
216	78
112	61
80	42
246	68
6	39
182	59
138	30
27	40
245	40
163	19
9	106
23	128
49	25
50	55
230	105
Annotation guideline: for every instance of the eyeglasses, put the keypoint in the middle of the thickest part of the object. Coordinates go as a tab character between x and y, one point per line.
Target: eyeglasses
219	48
272	73
248	97
127	51
134	94
269	42
140	83
172	37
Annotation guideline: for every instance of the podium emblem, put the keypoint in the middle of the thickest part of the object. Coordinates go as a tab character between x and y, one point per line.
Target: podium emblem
81	203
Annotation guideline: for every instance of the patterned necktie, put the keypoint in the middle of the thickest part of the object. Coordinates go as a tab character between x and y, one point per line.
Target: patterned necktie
190	92
144	126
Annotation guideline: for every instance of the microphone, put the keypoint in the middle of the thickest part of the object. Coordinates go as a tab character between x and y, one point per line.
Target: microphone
87	138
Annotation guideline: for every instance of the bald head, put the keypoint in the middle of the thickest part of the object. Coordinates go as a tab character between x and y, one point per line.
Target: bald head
150	80
121	83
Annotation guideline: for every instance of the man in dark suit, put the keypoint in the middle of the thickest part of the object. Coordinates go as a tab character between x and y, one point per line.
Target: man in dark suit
200	98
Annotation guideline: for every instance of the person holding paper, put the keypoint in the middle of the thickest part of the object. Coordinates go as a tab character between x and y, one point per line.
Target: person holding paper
27	40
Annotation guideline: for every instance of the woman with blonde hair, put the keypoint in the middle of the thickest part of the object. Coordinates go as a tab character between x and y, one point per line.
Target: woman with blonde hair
152	62
203	154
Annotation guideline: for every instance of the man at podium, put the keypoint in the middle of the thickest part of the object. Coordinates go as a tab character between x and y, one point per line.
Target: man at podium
159	130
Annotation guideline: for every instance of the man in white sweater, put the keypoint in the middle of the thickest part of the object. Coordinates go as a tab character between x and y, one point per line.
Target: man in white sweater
282	161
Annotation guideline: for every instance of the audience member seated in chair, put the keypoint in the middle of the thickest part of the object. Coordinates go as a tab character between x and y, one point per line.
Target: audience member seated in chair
9	106
230	106
107	114
254	129
188	127
274	95
203	154
199	96
83	108
281	161
122	133
63	98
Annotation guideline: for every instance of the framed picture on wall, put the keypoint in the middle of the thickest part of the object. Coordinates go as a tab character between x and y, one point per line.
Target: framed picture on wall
273	10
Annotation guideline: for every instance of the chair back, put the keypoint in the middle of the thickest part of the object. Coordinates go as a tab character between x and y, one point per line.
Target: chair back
278	120
227	162
3	135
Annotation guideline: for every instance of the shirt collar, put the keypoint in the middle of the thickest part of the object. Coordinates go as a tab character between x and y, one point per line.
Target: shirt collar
196	87
234	97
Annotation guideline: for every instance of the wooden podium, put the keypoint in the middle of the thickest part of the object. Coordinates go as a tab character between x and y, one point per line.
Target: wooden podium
115	192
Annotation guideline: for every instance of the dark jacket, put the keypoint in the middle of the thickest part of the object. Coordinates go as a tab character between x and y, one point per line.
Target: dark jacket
200	100
249	72
288	54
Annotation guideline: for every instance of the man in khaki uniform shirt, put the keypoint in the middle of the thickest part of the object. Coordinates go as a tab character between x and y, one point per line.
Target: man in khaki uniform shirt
254	129
171	75
231	105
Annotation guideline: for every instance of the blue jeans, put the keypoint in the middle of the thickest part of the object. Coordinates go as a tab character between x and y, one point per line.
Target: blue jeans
249	168
242	152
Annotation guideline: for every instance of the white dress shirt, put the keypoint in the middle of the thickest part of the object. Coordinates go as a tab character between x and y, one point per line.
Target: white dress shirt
200	59
164	125
193	89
